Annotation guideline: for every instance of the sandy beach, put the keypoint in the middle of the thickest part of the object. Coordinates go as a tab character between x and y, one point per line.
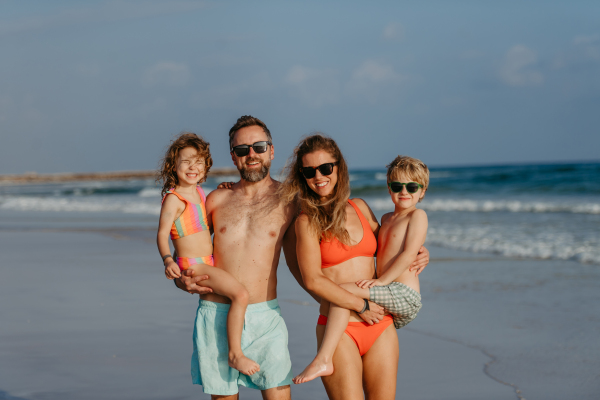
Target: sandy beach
87	313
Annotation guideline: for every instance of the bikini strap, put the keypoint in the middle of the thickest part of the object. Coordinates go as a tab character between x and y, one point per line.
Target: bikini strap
202	195
172	191
361	216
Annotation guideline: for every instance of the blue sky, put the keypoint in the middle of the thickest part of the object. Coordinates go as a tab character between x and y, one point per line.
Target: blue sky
104	85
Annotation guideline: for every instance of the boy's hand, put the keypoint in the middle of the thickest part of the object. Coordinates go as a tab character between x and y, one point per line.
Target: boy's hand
172	270
225	185
369	283
189	283
421	261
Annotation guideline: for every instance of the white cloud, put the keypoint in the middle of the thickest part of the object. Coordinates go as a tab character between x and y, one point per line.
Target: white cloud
233	94
314	87
517	68
393	31
590	45
373	80
166	73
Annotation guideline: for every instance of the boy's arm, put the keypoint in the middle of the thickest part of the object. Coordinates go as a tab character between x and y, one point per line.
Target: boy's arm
415	237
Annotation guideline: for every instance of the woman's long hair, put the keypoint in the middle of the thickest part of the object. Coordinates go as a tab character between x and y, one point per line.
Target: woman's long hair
328	217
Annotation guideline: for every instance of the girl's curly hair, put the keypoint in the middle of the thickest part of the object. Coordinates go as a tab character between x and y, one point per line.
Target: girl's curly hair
166	172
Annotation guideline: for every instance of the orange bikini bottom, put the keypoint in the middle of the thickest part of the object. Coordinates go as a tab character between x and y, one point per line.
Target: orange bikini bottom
363	334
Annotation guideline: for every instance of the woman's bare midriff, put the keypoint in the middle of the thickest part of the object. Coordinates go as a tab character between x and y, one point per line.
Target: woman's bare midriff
351	270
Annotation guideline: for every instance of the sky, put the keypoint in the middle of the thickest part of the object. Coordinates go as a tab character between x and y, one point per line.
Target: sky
105	85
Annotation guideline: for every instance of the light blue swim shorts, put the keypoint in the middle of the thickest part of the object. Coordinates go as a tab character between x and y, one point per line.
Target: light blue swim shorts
264	340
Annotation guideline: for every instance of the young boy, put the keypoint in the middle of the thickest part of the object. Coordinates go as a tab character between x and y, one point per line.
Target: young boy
396	289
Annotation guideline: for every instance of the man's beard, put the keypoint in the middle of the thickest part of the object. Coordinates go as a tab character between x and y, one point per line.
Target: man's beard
255	175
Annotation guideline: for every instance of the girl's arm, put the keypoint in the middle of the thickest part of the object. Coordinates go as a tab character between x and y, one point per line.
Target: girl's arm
171	208
415	237
309	261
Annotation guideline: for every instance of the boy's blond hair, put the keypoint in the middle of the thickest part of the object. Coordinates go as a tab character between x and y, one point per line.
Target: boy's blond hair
415	169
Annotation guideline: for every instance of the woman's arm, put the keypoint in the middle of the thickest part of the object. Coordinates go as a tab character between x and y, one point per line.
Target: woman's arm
291	259
309	261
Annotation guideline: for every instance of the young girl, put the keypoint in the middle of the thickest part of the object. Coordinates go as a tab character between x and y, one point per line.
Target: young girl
183	217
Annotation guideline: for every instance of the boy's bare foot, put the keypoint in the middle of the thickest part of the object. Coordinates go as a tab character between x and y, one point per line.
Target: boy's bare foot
314	370
243	364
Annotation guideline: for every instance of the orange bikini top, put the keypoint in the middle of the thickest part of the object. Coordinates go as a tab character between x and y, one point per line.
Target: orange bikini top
335	252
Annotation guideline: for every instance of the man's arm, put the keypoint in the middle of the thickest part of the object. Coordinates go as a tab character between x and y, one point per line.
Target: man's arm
289	251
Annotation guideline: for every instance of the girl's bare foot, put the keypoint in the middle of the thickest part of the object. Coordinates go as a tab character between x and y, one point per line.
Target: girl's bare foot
243	364
314	370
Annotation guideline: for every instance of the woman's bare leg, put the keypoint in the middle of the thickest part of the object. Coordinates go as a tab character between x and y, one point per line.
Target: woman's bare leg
226	285
346	381
380	365
337	321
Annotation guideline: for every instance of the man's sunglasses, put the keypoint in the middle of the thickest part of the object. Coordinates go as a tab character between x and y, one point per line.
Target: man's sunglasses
411	187
324	169
244	149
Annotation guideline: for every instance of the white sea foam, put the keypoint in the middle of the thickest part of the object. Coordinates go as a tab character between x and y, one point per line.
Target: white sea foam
80	204
550	244
494	206
149	192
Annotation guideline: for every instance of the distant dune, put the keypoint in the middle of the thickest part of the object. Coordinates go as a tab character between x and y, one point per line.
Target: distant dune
33	177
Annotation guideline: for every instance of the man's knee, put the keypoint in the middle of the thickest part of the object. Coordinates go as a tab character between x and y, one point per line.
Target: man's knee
230	397
278	393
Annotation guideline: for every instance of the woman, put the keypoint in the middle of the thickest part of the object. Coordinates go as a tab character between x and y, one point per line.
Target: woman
335	243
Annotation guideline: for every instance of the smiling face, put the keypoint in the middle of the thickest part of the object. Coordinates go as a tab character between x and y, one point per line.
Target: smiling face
404	200
189	167
253	167
322	185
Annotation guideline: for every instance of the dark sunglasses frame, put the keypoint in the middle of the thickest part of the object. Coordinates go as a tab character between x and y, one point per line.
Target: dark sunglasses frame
311	172
403	185
243	150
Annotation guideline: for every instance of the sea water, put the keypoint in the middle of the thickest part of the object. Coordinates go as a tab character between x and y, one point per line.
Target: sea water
526	211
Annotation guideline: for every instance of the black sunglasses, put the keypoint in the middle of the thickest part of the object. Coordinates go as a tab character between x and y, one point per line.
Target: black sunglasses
244	149
411	187
324	169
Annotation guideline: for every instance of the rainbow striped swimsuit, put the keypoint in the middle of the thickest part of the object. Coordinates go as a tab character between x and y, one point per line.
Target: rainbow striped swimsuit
192	219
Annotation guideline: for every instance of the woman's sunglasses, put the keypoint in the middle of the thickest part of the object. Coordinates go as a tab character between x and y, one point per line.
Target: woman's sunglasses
411	187
324	169
244	149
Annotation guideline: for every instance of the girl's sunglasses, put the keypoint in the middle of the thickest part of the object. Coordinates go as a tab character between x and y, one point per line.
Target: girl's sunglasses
244	149
411	187
324	169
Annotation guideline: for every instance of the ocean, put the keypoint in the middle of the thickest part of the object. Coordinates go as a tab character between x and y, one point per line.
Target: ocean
547	211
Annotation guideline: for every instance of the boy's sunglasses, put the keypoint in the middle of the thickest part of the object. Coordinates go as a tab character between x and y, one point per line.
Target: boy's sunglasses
244	149
324	169
411	187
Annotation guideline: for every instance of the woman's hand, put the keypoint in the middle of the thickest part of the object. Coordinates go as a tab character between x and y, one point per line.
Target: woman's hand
421	261
369	283
373	315
189	283
225	185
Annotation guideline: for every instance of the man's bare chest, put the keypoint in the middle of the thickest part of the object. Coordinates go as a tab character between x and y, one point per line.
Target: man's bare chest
256	221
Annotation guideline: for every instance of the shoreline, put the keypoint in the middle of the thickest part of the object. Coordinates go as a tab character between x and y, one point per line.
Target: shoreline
34	177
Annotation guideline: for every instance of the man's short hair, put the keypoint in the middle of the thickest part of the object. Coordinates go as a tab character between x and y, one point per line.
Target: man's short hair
415	169
244	121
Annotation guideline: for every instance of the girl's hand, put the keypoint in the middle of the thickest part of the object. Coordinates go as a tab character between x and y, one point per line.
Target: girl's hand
369	283
225	185
172	270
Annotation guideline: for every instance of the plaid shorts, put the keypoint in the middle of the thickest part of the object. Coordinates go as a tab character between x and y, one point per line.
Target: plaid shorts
399	300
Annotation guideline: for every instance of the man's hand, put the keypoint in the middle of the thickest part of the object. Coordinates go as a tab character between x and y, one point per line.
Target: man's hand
189	283
373	315
421	261
225	185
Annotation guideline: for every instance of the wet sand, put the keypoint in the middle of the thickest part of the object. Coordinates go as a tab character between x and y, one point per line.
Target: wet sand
88	314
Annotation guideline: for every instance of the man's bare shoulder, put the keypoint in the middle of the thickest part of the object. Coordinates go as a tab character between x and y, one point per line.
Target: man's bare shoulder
218	196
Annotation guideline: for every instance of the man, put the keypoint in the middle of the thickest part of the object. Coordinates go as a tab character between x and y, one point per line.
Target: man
250	224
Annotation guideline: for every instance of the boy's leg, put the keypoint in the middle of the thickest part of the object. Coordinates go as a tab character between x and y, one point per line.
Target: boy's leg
223	283
337	321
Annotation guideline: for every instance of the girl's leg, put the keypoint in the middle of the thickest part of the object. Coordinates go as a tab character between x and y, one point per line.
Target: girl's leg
337	321
226	285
